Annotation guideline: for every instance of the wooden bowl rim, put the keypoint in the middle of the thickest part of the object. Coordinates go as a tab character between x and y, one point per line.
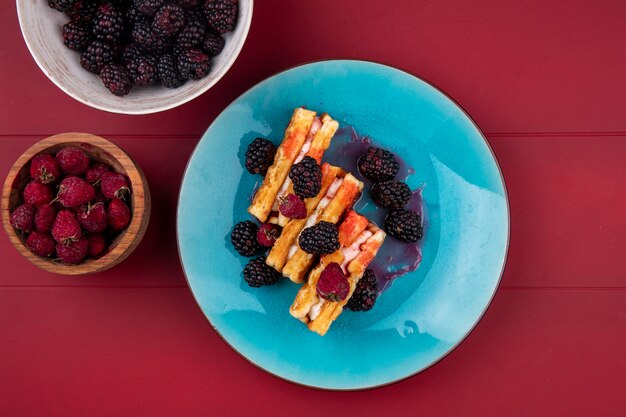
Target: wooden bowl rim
129	238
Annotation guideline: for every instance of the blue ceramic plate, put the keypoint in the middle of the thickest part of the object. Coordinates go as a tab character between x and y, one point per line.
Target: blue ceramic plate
424	314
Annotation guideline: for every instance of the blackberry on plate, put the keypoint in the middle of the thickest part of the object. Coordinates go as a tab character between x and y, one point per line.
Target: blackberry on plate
257	273
378	164
391	194
61	5
260	156
404	225
212	43
192	35
221	14
76	35
243	238
148	40
168	73
306	177
148	8
169	20
321	238
83	11
142	70
365	293
193	64
116	79
108	24
96	55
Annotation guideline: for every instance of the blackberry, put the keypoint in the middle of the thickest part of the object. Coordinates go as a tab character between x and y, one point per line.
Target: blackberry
133	15
169	20
365	293
108	24
404	225
260	156
322	238
378	164
243	238
131	51
221	14
192	35
212	43
61	5
96	55
257	273
168	73
116	79
193	64
142	70
306	177
148	8
391	194
76	35
83	11
148	40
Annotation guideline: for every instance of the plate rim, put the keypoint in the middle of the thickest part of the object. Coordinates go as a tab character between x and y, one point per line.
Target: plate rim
506	200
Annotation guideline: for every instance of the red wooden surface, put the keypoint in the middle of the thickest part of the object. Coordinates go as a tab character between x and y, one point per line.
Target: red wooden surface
545	81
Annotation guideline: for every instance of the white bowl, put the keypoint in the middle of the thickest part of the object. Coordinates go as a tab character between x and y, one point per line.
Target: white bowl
41	28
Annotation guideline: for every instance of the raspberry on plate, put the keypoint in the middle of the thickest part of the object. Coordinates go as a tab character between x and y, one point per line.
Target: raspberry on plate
291	206
333	284
268	234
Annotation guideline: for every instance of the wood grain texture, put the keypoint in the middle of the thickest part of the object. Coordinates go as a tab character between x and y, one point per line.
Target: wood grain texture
98	149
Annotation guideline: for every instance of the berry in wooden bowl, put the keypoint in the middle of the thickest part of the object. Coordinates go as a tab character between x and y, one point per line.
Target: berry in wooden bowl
75	204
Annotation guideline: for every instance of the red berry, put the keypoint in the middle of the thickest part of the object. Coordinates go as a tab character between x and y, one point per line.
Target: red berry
37	193
72	161
40	244
292	206
73	252
93	218
97	245
267	234
45	169
75	191
95	171
44	218
23	217
119	214
66	228
332	284
114	185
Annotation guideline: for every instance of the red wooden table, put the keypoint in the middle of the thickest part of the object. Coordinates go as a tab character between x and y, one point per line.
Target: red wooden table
544	80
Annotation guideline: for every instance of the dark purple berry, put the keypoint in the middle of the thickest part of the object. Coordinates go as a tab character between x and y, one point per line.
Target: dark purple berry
108	24
116	79
221	14
212	43
168	73
193	64
169	20
142	70
96	55
76	35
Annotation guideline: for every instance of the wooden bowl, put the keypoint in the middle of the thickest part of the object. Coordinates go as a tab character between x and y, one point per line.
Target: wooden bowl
98	149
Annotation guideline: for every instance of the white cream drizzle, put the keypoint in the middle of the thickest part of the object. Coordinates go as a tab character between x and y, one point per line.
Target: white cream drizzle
316	309
353	250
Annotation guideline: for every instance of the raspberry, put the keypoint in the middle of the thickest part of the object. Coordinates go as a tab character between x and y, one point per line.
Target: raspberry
23	218
260	156
142	70
221	14
45	169
212	43
95	171
97	245
119	214
82	11
61	5
76	35
72	161
192	35
168	73
169	20
292	206
92	218
148	40
74	252
114	185
40	244
321	238
243	238
306	177
66	229
116	79
44	218
108	23
404	225
193	64
74	192
391	194
148	8
378	164
268	234
365	293
37	193
333	284
96	55
257	273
